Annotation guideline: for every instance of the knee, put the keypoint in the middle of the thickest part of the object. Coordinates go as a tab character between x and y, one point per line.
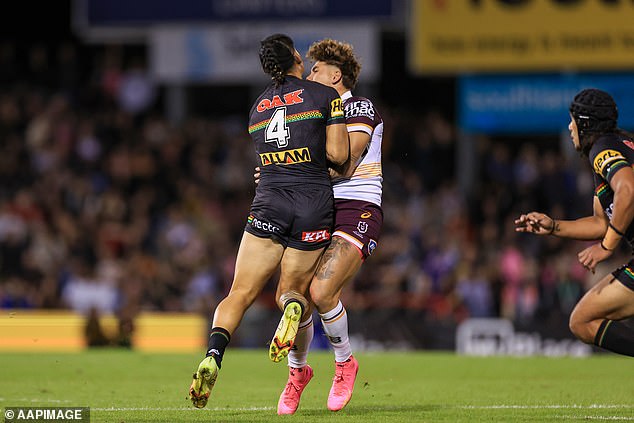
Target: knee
581	328
243	297
323	298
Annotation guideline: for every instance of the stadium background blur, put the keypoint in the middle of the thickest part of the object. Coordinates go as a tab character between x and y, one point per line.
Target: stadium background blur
124	191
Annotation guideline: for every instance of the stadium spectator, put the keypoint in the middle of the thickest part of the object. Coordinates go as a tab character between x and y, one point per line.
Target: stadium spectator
596	319
290	220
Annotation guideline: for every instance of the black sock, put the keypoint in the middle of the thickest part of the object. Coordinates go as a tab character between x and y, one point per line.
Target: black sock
218	340
616	337
292	300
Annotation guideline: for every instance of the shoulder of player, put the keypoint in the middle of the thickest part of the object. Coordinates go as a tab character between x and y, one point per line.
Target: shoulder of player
316	87
266	93
608	142
607	149
357	106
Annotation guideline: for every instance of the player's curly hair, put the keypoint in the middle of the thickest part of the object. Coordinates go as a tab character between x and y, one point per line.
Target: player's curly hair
338	54
277	56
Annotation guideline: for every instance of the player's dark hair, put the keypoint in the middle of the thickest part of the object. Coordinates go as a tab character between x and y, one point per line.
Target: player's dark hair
338	54
277	56
595	113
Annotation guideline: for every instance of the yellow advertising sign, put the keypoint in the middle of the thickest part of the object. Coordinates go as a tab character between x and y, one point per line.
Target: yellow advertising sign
34	330
453	36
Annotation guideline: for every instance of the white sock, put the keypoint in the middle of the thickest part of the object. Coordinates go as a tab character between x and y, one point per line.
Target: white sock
335	324
298	355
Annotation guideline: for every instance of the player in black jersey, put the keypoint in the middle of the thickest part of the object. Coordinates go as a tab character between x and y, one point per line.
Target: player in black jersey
597	317
298	130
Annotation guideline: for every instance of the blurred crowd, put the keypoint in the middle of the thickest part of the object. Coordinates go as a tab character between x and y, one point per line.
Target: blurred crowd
106	206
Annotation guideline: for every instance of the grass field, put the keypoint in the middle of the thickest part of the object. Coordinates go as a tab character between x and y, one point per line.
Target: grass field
126	386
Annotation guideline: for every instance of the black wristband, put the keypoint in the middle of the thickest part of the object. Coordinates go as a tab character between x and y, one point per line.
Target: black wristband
604	247
553	227
615	230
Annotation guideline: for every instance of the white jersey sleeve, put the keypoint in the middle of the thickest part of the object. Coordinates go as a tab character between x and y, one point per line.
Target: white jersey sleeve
366	183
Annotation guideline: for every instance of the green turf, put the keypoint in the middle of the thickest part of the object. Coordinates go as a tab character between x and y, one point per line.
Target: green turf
125	386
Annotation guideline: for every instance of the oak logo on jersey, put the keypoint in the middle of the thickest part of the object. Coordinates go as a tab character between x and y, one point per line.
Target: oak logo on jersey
316	236
336	108
603	158
277	101
285	157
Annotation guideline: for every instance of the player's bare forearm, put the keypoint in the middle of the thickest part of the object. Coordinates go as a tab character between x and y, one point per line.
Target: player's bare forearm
337	144
585	228
588	228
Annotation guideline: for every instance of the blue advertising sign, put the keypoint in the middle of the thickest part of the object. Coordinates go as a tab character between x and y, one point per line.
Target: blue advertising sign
534	104
143	12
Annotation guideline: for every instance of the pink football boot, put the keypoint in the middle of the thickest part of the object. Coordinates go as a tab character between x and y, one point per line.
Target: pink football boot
297	381
343	384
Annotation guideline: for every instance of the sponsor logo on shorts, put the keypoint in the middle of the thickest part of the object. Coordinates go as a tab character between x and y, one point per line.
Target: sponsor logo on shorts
362	227
366	215
259	224
603	158
371	246
286	157
316	236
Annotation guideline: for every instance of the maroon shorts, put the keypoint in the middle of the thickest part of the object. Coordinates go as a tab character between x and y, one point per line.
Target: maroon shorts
359	223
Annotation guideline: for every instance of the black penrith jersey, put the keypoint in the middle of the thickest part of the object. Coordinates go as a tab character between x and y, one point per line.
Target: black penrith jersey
608	155
288	127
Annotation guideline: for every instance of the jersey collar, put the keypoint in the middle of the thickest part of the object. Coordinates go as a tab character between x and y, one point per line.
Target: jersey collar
346	95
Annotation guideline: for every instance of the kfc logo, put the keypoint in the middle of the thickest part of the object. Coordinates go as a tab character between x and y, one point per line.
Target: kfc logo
316	236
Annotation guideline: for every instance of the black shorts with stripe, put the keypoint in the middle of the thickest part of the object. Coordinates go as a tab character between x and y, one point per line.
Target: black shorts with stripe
625	274
297	218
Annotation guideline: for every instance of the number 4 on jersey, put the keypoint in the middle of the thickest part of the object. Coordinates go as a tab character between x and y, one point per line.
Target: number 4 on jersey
276	129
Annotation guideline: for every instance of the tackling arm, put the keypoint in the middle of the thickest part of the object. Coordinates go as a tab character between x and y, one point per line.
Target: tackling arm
358	143
337	144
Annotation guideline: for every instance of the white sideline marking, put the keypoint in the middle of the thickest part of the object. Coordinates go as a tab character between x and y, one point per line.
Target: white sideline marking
539	407
181	409
464	407
599	418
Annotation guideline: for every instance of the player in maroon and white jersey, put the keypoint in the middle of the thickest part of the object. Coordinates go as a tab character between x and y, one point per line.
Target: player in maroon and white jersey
358	220
596	319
